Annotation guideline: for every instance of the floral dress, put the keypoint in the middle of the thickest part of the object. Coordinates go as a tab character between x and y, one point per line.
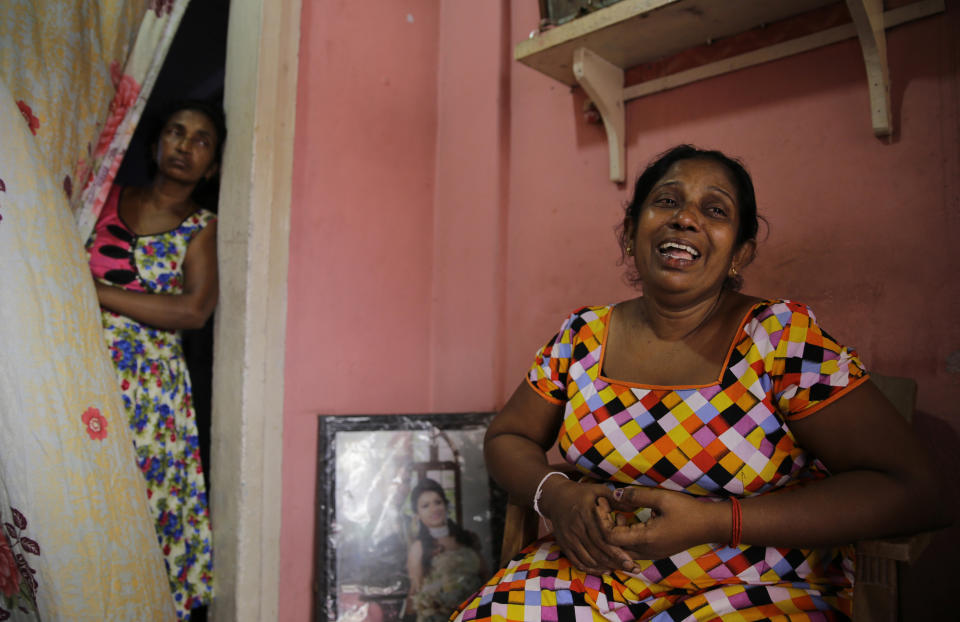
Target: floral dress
730	437
156	394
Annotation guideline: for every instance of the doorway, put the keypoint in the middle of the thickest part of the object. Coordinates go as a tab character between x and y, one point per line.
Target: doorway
258	83
260	95
194	69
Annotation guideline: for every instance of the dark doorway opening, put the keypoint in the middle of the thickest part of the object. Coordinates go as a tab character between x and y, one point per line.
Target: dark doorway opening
194	69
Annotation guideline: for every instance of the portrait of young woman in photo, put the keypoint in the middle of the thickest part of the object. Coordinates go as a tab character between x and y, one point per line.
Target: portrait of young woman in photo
444	563
153	256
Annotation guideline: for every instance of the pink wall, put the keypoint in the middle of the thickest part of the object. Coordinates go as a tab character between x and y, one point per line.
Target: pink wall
451	207
470	206
361	240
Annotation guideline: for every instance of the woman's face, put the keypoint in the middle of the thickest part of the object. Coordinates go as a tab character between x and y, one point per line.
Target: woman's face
432	509
685	238
187	148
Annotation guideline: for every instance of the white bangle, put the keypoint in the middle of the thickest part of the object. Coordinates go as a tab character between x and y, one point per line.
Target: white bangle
536	497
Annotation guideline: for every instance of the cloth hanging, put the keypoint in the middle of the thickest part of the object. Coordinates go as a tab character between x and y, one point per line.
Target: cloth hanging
77	540
73	503
81	73
133	83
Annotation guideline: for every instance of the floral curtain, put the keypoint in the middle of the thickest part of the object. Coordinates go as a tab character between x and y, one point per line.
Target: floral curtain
81	74
77	541
132	86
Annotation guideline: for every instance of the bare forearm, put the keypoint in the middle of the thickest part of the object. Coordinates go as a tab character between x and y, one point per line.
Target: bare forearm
882	484
166	311
844	508
517	440
517	464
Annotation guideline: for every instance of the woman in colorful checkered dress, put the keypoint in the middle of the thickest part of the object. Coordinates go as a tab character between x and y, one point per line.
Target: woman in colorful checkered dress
726	447
153	258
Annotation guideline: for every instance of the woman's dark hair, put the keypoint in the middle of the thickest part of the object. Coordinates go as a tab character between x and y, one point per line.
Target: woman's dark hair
207	191
462	536
746	197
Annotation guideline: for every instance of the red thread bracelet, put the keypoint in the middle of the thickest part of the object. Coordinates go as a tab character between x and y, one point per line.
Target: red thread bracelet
737	529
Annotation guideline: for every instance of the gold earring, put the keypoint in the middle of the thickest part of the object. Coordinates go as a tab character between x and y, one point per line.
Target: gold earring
733	271
629	249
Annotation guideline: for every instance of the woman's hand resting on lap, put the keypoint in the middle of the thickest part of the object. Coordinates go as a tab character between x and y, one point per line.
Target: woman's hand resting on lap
572	508
677	523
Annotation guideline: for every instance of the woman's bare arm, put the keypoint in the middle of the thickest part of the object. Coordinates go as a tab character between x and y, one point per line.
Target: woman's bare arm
883	483
189	309
515	450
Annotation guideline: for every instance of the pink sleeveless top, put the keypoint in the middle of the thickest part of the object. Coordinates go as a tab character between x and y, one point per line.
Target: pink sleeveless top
111	253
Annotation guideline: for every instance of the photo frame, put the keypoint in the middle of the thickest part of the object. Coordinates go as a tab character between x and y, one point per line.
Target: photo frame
365	520
557	12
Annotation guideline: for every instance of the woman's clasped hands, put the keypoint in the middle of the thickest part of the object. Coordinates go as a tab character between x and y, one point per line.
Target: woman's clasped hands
598	530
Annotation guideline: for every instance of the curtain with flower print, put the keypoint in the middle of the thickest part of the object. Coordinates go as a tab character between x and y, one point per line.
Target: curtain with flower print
77	540
80	74
132	84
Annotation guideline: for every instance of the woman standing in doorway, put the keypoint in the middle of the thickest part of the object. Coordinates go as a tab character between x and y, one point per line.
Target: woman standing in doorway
154	261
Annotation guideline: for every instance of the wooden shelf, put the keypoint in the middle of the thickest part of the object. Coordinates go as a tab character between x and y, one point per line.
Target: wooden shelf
632	32
595	50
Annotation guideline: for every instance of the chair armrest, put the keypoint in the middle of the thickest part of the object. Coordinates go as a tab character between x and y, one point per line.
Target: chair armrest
876	587
903	549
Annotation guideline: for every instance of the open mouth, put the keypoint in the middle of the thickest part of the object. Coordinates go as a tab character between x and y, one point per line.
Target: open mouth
680	251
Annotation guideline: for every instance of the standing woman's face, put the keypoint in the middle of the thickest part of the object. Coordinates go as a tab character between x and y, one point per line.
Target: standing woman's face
187	148
432	509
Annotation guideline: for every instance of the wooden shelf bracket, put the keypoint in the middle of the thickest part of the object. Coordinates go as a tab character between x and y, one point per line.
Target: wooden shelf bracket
629	33
869	20
603	83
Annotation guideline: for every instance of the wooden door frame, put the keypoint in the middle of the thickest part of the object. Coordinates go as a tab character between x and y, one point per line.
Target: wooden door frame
260	97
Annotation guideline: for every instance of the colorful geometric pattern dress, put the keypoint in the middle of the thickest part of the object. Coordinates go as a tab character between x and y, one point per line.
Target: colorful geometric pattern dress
156	394
727	438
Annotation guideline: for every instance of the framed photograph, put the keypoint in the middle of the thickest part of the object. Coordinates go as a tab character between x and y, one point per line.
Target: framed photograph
556	12
408	520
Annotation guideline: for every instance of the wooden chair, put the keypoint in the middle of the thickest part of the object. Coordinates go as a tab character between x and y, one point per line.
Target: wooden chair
876	593
878	564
